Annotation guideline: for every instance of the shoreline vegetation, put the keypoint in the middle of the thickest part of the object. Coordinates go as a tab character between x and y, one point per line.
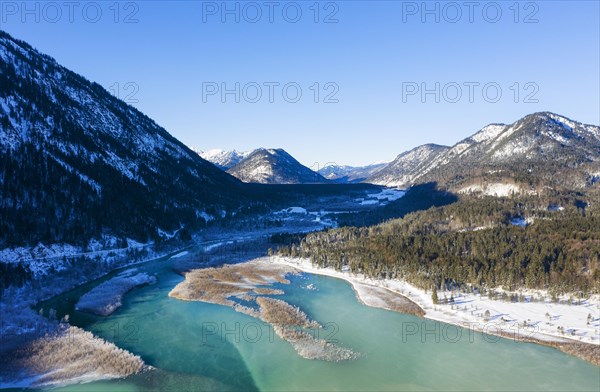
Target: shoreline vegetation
384	294
397	296
68	355
230	283
105	298
29	339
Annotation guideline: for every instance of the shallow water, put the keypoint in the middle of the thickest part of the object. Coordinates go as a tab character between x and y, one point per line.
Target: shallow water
198	346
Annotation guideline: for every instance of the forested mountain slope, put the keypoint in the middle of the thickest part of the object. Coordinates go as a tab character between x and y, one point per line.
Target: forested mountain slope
76	162
548	243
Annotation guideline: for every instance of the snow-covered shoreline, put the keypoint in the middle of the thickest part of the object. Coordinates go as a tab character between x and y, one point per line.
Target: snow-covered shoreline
105	298
504	318
22	326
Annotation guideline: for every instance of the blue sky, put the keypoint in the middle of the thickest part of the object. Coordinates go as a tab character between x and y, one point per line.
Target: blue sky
365	70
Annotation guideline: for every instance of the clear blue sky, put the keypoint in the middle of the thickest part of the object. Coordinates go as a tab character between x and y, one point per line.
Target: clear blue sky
374	51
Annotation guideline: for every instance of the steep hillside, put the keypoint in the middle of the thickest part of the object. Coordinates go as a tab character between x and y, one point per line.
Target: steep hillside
76	162
537	151
408	166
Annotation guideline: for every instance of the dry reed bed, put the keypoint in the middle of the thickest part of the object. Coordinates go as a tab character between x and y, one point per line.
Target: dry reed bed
218	285
584	351
265	291
278	312
288	322
72	355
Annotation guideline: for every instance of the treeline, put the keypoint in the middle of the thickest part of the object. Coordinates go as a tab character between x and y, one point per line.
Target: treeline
13	274
418	197
471	244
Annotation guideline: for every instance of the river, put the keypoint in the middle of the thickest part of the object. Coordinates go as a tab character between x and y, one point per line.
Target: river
200	346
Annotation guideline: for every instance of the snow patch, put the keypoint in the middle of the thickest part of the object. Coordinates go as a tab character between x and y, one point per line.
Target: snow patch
521	222
488	133
207	217
105	298
494	189
293	210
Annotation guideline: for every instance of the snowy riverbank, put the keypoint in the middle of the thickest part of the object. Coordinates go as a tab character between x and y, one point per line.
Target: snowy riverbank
543	322
29	340
105	298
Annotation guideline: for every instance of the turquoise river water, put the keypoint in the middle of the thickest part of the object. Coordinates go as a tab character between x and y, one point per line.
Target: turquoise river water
202	347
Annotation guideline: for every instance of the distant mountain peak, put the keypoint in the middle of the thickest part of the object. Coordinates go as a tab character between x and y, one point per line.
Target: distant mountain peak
273	166
542	139
223	159
349	174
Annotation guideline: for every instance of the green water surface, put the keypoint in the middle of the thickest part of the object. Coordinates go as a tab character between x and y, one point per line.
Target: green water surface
202	347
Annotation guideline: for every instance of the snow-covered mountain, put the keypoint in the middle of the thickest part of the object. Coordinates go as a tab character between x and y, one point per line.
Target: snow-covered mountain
77	162
350	174
543	147
224	159
274	166
408	166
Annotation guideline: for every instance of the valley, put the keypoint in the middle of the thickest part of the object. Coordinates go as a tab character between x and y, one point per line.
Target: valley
214	328
130	261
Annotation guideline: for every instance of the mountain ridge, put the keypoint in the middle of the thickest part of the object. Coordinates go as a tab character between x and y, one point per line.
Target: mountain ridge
343	174
77	161
224	159
274	166
536	140
350	174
